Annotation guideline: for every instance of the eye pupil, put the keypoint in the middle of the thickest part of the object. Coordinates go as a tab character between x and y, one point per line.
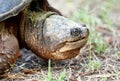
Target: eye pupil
75	31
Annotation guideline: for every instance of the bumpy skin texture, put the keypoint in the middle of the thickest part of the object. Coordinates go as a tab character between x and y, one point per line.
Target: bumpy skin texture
50	36
9	49
47	34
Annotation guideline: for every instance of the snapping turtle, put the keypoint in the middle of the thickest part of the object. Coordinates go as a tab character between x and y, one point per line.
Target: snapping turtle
37	26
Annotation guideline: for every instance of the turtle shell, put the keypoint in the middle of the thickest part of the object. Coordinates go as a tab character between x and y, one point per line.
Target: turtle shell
9	8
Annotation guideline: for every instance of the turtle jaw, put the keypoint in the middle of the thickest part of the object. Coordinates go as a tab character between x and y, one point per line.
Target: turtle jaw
69	50
73	45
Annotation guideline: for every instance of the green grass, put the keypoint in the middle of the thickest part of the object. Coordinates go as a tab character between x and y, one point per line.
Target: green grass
105	79
49	71
84	16
91	21
94	65
118	54
50	75
104	15
62	76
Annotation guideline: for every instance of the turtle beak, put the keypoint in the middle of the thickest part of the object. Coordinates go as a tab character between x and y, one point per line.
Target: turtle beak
78	38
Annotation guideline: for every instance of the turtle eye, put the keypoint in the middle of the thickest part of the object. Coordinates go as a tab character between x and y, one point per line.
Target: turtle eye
75	31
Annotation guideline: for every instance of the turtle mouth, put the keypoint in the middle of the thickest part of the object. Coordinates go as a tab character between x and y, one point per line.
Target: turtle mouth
69	49
73	44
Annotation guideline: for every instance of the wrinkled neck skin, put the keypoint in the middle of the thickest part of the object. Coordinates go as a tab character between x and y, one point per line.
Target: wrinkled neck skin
31	32
49	35
9	26
2	27
42	5
9	48
32	21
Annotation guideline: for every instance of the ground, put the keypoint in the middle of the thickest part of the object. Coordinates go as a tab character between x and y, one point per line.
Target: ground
99	60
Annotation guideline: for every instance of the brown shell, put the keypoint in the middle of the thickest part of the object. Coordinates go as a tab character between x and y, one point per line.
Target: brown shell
9	8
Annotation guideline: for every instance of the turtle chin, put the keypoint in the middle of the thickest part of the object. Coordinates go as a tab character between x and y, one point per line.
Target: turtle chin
69	49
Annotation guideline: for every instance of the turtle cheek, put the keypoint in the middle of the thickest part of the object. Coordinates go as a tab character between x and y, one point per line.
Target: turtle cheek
55	38
53	43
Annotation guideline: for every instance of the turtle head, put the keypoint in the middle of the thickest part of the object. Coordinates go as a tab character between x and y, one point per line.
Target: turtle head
54	37
64	38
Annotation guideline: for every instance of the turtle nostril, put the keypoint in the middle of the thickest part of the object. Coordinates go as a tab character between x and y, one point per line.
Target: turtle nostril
75	31
83	25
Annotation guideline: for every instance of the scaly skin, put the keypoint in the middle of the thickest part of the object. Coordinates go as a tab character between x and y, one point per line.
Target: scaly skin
49	35
9	49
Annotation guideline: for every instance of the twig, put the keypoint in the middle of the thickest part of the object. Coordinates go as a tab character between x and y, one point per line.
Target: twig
100	75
